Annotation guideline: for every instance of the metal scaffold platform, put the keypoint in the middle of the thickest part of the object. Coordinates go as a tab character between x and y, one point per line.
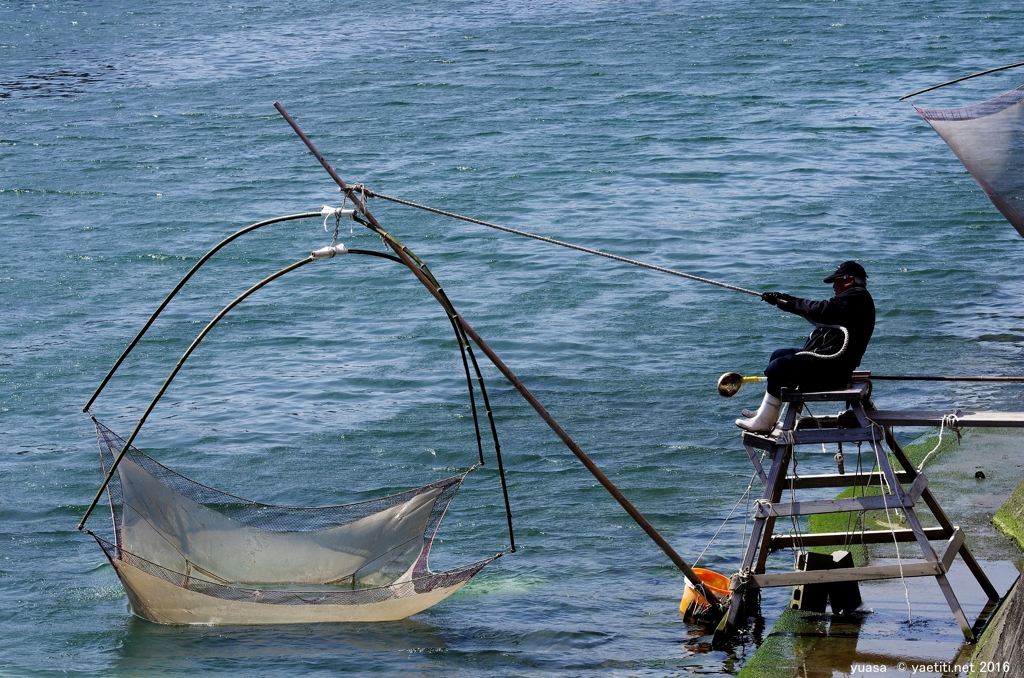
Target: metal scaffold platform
898	486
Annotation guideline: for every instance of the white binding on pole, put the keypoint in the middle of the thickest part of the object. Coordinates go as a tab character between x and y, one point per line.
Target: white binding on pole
329	251
339	212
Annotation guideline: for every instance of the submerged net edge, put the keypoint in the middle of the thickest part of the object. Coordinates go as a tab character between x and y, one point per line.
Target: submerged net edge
422	584
114	496
975	111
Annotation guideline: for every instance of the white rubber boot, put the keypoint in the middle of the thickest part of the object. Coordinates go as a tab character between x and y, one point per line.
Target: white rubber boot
765	417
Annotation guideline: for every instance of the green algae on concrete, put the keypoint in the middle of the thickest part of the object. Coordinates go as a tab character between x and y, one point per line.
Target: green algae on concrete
1000	650
1010	516
782	652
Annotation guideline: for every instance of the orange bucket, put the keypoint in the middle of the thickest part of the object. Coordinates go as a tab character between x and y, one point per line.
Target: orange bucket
693	605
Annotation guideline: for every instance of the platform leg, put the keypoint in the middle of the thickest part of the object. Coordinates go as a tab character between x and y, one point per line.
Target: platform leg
941	517
761	530
922	540
978	573
727	627
954	605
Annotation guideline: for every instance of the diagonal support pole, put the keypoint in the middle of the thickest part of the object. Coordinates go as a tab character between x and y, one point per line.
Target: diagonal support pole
435	290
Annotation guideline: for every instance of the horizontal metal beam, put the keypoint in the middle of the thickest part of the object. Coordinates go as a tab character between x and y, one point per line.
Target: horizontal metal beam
815	506
963	419
812	436
841	480
916	569
858	391
861	375
787	541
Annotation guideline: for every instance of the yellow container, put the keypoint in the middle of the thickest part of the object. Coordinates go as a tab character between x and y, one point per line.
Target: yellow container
693	605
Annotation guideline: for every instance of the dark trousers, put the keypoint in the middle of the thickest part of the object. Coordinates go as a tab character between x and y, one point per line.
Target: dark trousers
787	369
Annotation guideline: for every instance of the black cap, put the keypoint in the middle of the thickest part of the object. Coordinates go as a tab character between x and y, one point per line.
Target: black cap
848	268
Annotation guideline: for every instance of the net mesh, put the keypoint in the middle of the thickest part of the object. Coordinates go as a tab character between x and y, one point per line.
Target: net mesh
989	140
227	547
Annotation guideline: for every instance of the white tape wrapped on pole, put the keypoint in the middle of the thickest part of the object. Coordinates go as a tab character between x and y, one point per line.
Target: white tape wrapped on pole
328	211
329	251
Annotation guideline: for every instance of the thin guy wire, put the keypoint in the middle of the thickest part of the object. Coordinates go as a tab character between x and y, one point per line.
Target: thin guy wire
735	506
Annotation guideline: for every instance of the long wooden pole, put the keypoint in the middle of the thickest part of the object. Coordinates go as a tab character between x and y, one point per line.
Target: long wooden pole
945	378
562	243
635	514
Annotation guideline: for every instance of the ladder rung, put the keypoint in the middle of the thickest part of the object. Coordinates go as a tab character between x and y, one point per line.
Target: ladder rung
914	569
814	506
840	480
787	541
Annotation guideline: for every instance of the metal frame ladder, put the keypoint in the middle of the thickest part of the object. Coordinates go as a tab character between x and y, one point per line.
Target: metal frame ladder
860	423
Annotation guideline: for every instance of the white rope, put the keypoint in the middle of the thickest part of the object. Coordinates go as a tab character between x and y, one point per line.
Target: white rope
885	503
848	541
846	342
742	496
746	512
950	420
758	503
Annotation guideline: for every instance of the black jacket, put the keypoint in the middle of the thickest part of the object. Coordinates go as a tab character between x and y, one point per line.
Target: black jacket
853	309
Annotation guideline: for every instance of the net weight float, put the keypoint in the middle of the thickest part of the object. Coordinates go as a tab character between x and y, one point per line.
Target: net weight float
729	383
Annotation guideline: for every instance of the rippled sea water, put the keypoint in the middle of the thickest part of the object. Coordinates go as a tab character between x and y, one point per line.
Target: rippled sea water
758	143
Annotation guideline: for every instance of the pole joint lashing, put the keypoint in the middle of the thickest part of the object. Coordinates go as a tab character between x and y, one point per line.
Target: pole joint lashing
337	212
329	251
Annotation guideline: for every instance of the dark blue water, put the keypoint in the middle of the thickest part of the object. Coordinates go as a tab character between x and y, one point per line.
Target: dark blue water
756	143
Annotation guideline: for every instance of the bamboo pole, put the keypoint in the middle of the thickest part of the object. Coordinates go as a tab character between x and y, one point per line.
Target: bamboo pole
953	82
177	288
167	382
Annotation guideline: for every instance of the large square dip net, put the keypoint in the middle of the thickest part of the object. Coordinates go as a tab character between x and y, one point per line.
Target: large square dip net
188	553
989	140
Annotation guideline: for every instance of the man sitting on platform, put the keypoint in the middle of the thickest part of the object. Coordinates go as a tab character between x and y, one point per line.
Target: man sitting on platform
829	357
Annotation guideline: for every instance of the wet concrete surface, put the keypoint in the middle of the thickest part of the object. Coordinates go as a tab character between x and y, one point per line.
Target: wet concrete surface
880	635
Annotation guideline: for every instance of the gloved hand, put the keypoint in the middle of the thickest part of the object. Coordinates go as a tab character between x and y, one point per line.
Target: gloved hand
779	299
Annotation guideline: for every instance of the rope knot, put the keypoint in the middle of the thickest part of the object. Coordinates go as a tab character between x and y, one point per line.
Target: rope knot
758	504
